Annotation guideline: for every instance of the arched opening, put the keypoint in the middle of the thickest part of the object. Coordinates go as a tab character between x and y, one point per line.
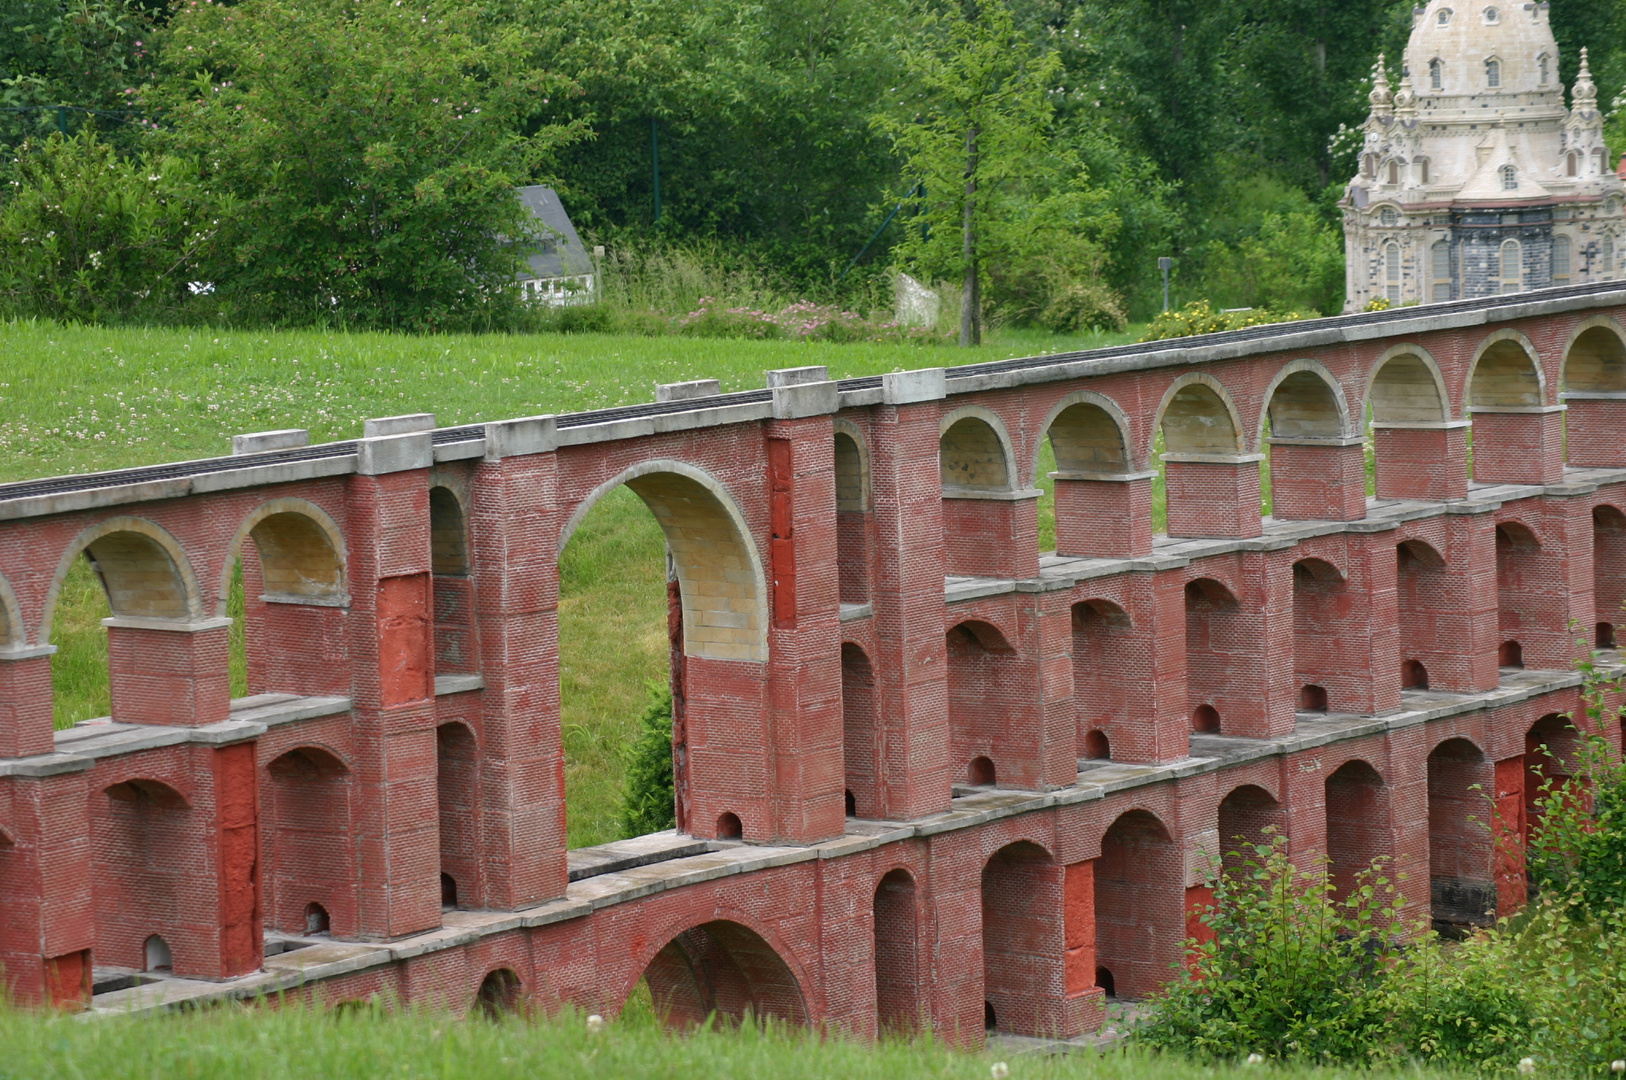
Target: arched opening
1596	363
156	955
1104	648
980	773
1526	614
660	582
1198	421
1304	406
294	596
457	792
1220	643
1023	942
1562	259
1462	882
1210	487
448	892
499	994
1357	811
1415	454
724	969
1391	272
728	826
852	518
1084	469
455	646
1512	252
982	692
1594	392
1311	471
1505	376
1552	760
316	920
1140	924
146	846
1440	263
860	737
81	683
898	1006
1325	617
1248	817
1608	572
308	841
990	527
1097	747
1423	596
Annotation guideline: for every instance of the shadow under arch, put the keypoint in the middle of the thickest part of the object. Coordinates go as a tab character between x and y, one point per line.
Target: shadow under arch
724	969
1506	373
1304	401
1595	358
1197	416
302	553
724	617
307	857
1406	387
143	570
1089	435
12	634
975	451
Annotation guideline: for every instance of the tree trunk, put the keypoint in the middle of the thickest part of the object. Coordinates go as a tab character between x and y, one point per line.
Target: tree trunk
971	296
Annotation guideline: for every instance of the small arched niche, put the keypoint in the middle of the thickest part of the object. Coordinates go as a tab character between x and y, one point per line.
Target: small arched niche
972	456
1506	376
1596	362
1406	390
1197	420
448	533
723	971
1304	406
852	514
1086	439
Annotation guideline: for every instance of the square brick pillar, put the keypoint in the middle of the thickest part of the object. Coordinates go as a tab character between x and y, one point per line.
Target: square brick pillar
513	524
391	648
1592	428
1507	827
991	533
1518	444
1212	494
26	701
1345	638
1086	1005
1232	650
1448	614
806	767
1545	594
1103	515
1422	461
169	672
49	929
1318	479
911	656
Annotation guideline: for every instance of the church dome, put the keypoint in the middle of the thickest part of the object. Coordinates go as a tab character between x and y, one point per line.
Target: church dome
1484	55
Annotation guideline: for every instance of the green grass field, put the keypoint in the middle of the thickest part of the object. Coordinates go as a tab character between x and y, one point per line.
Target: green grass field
75	399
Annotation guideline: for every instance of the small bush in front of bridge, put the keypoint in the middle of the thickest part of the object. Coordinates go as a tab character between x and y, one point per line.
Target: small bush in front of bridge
647	803
1289	970
1200	317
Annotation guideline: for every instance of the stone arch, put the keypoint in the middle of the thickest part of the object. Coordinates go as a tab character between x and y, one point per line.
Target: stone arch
1321	618
1553	751
860	732
1462	883
975	451
302	554
1089	434
1140	921
719	569
1304	401
12	633
1023	947
1506	373
1197	416
448	533
1595	357
145	843
500	993
727	969
1248	817
1422	594
307	839
1357	812
1520	594
144	570
1407	387
1608	574
1104	647
852	468
981	687
898	1005
1213	637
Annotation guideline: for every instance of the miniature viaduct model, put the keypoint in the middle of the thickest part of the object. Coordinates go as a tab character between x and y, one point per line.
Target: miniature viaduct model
927	775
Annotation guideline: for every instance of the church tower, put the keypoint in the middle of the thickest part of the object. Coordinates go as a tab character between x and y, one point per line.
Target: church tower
1474	178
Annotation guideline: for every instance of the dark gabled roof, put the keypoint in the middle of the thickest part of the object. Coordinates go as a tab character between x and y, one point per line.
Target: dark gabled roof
562	253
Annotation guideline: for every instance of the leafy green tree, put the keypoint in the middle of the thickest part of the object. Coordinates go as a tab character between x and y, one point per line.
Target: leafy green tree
89	54
365	154
648	803
975	130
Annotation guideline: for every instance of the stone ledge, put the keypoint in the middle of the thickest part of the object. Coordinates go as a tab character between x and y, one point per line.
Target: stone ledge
458	684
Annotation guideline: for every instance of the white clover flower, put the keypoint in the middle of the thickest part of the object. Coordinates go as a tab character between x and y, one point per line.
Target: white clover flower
595	1023
1255	1059
999	1070
1527	1066
1617	1066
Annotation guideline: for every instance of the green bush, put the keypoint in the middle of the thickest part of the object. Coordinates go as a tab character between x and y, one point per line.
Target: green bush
1200	317
648	804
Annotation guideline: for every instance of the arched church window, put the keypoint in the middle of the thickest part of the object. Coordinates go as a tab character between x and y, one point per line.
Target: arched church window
1602	155
1369	165
1541	69
1512	266
1510	178
1493	73
1388	216
1436	69
1394	171
1391	272
1606	259
1561	260
1571	164
1440	257
1422	170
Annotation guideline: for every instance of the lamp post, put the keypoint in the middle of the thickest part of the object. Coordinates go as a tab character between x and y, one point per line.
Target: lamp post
1164	264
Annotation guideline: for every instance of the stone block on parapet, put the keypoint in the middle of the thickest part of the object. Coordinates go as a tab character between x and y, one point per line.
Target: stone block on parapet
798	400
395	453
259	442
909	387
693	390
397	425
516	438
796	376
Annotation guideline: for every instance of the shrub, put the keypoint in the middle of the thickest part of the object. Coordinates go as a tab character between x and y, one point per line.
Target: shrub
648	803
1078	307
1200	317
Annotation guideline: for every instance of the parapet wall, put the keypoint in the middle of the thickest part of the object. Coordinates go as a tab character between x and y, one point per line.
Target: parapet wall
927	773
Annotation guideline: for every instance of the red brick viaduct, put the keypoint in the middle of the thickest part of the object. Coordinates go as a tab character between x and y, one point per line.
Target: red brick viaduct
927	774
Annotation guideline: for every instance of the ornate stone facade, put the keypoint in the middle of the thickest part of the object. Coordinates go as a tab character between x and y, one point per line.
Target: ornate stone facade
1474	178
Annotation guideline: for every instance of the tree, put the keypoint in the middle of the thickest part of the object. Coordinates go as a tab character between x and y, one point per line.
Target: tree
364	152
976	126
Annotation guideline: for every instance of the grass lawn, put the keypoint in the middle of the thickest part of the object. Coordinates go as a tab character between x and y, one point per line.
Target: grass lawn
77	399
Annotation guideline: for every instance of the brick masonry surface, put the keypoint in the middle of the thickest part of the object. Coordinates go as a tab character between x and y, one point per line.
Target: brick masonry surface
929	776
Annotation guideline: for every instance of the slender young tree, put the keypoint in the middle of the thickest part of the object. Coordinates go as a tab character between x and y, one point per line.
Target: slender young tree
973	126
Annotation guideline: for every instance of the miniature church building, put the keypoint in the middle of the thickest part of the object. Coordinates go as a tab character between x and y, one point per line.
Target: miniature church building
1474	178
